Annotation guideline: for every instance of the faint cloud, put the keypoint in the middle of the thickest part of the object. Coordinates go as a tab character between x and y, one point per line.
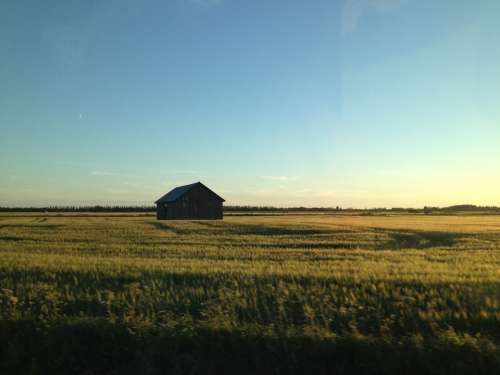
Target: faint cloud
116	191
69	44
187	172
206	3
305	191
108	173
74	164
278	178
173	183
397	173
354	10
70	38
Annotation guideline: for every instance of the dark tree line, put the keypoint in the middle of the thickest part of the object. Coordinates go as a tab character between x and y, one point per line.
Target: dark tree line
80	209
261	209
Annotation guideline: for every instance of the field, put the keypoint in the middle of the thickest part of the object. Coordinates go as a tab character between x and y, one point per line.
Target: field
267	294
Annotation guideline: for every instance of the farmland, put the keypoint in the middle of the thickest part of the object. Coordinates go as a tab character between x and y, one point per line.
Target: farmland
310	293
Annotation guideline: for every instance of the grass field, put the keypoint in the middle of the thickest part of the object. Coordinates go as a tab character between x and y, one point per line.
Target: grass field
119	294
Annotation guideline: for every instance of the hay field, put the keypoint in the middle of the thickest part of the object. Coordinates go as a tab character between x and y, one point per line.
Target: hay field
309	293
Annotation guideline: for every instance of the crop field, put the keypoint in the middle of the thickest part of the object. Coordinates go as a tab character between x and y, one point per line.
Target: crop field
267	294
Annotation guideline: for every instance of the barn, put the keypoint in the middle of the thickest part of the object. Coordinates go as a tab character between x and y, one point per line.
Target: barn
194	201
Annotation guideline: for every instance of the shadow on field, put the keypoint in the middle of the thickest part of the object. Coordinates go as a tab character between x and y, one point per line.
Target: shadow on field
261	230
172	228
14	239
421	239
95	346
265	230
40	239
242	229
313	245
321	238
31	226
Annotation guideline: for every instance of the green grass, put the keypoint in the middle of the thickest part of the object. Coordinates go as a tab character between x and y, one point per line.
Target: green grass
106	294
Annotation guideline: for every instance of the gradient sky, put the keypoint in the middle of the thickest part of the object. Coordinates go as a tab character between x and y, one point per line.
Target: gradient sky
357	103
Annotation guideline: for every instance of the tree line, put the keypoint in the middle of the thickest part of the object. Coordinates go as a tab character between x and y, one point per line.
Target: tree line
261	209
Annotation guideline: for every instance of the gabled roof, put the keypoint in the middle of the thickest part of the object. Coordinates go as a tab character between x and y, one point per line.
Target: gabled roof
177	193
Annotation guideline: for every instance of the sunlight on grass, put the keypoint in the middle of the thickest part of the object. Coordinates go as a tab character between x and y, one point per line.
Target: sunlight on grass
327	276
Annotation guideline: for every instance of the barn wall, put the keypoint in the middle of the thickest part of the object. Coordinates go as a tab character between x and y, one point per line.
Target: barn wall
201	203
161	212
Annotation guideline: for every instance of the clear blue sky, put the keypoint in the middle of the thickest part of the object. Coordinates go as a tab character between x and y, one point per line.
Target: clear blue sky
320	103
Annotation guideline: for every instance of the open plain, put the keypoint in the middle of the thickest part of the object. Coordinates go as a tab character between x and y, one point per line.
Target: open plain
294	293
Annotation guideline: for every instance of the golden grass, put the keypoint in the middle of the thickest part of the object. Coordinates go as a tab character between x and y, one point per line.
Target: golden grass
373	275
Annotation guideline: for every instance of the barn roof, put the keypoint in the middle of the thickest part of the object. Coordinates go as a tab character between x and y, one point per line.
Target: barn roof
177	193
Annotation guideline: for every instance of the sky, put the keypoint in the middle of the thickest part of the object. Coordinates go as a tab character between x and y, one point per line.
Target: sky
353	103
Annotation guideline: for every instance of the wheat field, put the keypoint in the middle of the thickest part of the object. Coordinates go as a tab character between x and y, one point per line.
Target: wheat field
258	293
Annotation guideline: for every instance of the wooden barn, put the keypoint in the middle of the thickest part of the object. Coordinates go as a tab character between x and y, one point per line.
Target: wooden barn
194	201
